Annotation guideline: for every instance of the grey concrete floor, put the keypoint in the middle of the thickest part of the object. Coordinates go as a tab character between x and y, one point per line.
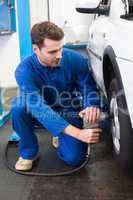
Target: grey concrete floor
102	179
12	186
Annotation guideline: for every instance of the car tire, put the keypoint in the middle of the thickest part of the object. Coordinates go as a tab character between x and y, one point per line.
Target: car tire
122	134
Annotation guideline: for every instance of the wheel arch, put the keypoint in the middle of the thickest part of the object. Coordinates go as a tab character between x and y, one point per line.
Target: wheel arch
110	67
111	70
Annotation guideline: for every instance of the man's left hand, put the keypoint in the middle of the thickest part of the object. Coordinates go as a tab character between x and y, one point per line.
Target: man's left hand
90	114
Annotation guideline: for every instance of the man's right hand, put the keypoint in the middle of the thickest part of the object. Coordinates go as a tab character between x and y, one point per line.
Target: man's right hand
89	135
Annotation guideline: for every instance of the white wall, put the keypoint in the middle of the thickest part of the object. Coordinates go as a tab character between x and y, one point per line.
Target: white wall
9	58
38	11
77	27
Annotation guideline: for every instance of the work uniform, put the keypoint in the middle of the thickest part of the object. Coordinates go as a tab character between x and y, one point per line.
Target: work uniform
50	96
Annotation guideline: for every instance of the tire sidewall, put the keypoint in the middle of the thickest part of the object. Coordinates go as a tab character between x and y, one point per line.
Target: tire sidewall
125	155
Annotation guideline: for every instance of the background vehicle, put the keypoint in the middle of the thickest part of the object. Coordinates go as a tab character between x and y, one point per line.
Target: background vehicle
111	55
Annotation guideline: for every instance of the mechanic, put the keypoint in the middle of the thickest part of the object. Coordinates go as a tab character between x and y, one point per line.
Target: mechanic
56	91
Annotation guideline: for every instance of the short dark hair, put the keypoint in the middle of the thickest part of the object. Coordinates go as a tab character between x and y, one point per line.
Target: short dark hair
43	30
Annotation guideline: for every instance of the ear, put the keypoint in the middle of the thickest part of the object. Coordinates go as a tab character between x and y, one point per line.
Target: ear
35	48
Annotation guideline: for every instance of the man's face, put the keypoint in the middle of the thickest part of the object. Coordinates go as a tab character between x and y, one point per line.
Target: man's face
50	54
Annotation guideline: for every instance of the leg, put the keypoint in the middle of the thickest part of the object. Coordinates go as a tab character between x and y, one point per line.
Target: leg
71	150
23	125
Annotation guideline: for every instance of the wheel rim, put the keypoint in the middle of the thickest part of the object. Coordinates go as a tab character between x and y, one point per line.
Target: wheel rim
115	124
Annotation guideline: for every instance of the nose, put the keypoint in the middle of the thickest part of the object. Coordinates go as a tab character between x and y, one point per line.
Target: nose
58	54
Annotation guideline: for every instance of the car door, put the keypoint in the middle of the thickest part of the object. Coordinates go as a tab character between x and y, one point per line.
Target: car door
97	43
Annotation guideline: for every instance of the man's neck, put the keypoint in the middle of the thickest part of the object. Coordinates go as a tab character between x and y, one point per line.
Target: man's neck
41	62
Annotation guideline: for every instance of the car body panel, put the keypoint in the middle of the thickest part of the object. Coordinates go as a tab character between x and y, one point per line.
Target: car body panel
117	33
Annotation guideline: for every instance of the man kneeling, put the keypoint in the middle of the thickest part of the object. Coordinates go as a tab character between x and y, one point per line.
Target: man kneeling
50	82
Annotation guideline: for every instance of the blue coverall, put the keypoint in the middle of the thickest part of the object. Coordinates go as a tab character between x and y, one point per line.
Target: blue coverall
49	96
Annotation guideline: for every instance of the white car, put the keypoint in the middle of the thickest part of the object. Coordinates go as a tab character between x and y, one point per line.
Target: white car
110	48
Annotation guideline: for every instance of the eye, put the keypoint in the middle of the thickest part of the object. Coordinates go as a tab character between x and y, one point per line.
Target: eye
53	52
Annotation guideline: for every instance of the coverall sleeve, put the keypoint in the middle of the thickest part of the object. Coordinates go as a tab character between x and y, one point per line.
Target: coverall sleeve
37	105
87	85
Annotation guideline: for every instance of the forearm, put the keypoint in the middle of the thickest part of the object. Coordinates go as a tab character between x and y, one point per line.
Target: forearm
72	131
84	135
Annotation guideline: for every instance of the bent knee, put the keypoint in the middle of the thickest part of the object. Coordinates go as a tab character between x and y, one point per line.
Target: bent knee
17	108
75	159
17	111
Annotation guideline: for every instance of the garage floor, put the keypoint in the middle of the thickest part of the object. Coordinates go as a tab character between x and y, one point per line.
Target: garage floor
102	178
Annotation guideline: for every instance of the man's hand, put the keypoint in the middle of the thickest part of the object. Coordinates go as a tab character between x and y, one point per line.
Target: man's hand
89	135
90	114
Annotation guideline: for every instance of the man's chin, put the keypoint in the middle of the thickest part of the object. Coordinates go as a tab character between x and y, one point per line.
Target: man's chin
54	64
51	64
